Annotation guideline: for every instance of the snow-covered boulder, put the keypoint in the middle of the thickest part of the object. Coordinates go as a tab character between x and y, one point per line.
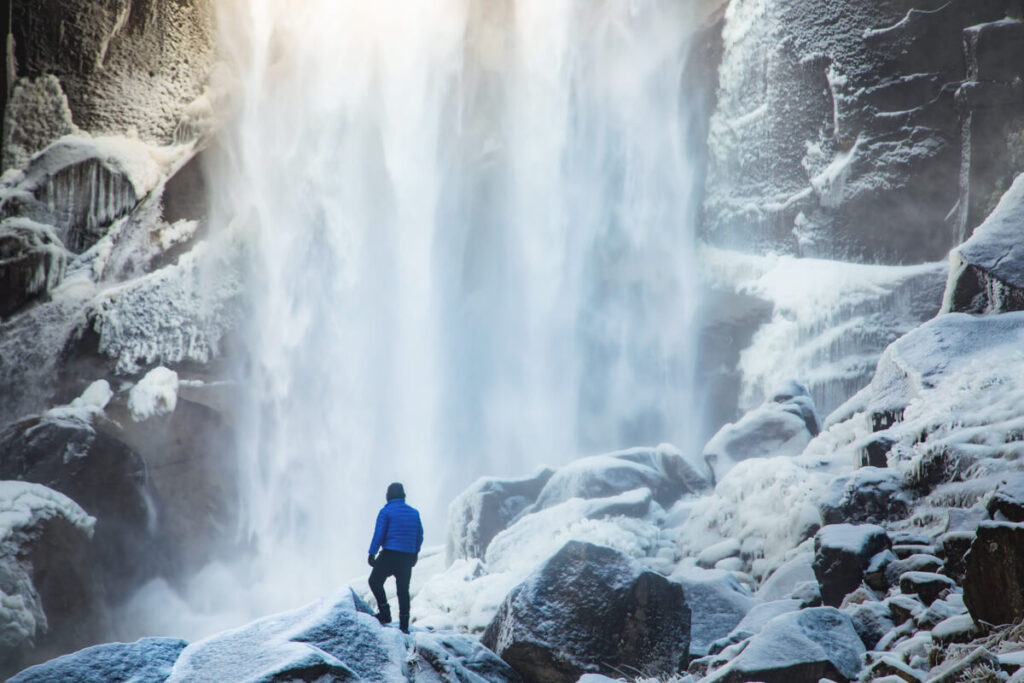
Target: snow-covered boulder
1007	501
871	620
783	425
148	660
994	574
869	495
806	645
986	273
334	639
486	508
842	553
587	609
49	597
781	583
928	586
717	602
663	470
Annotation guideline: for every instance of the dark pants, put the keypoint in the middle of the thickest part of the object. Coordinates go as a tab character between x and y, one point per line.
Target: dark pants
398	565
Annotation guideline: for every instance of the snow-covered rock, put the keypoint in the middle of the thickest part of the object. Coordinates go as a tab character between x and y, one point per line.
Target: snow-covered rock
148	660
663	470
32	262
49	598
717	602
782	581
928	586
1007	501
868	495
842	552
986	273
155	394
591	609
994	576
486	508
806	645
783	425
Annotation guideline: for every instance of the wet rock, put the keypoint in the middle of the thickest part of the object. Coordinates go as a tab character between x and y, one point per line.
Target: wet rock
663	470
928	586
870	495
717	604
842	552
994	574
591	609
487	508
806	645
148	659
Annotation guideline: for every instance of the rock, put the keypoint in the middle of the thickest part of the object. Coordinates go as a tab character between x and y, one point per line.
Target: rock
953	546
486	508
35	115
717	604
591	609
919	562
869	495
842	552
937	612
145	660
986	273
871	620
122	66
663	470
904	607
777	427
32	262
52	600
890	666
994	574
955	669
808	594
335	639
959	628
1007	501
876	576
928	586
807	645
905	550
751	624
784	579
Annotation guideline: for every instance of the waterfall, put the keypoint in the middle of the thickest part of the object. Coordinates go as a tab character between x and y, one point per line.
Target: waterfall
469	230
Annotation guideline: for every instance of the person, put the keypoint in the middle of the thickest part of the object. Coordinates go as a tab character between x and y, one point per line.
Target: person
399	535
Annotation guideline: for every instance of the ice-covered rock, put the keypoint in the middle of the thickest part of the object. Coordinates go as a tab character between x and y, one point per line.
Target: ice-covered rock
781	426
591	609
486	508
339	639
39	108
148	660
842	553
869	495
663	470
1007	501
32	261
155	394
994	574
986	273
806	645
50	600
717	602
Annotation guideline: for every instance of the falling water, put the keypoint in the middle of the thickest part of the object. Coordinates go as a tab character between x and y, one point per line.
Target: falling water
469	226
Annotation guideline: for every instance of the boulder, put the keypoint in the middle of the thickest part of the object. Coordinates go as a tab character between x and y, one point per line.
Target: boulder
806	645
663	470
486	508
876	576
871	620
986	273
32	262
52	600
953	547
717	552
783	425
842	553
148	660
918	562
994	574
335	639
591	609
1007	501
869	495
784	579
717	602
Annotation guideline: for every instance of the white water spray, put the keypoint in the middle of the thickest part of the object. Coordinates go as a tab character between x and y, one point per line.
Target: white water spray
470	234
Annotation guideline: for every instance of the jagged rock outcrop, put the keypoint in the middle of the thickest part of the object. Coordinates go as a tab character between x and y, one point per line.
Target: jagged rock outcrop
994	574
591	609
837	132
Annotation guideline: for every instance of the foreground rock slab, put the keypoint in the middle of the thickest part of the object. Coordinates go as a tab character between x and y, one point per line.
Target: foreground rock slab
591	609
148	659
842	553
994	575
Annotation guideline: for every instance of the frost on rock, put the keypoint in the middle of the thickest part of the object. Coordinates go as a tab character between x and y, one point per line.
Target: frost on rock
155	394
27	515
32	262
144	661
40	111
176	314
717	604
986	273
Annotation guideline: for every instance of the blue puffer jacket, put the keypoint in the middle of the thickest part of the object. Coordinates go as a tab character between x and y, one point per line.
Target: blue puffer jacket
398	528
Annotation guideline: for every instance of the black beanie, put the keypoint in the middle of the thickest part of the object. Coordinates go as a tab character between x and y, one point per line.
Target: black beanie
396	491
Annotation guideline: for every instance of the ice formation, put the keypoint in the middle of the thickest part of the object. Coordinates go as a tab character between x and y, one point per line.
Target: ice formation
155	394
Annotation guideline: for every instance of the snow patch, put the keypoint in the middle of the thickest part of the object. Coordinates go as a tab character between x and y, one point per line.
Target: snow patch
155	394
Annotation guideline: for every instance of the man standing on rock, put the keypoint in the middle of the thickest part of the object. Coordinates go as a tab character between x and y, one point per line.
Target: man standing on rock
400	533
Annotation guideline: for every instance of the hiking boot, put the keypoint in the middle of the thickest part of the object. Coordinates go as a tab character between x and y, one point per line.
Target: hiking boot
403	622
384	616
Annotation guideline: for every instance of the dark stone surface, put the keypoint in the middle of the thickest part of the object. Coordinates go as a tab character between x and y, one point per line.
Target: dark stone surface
928	586
871	620
869	495
994	574
919	562
953	548
842	552
31	262
1007	500
591	608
